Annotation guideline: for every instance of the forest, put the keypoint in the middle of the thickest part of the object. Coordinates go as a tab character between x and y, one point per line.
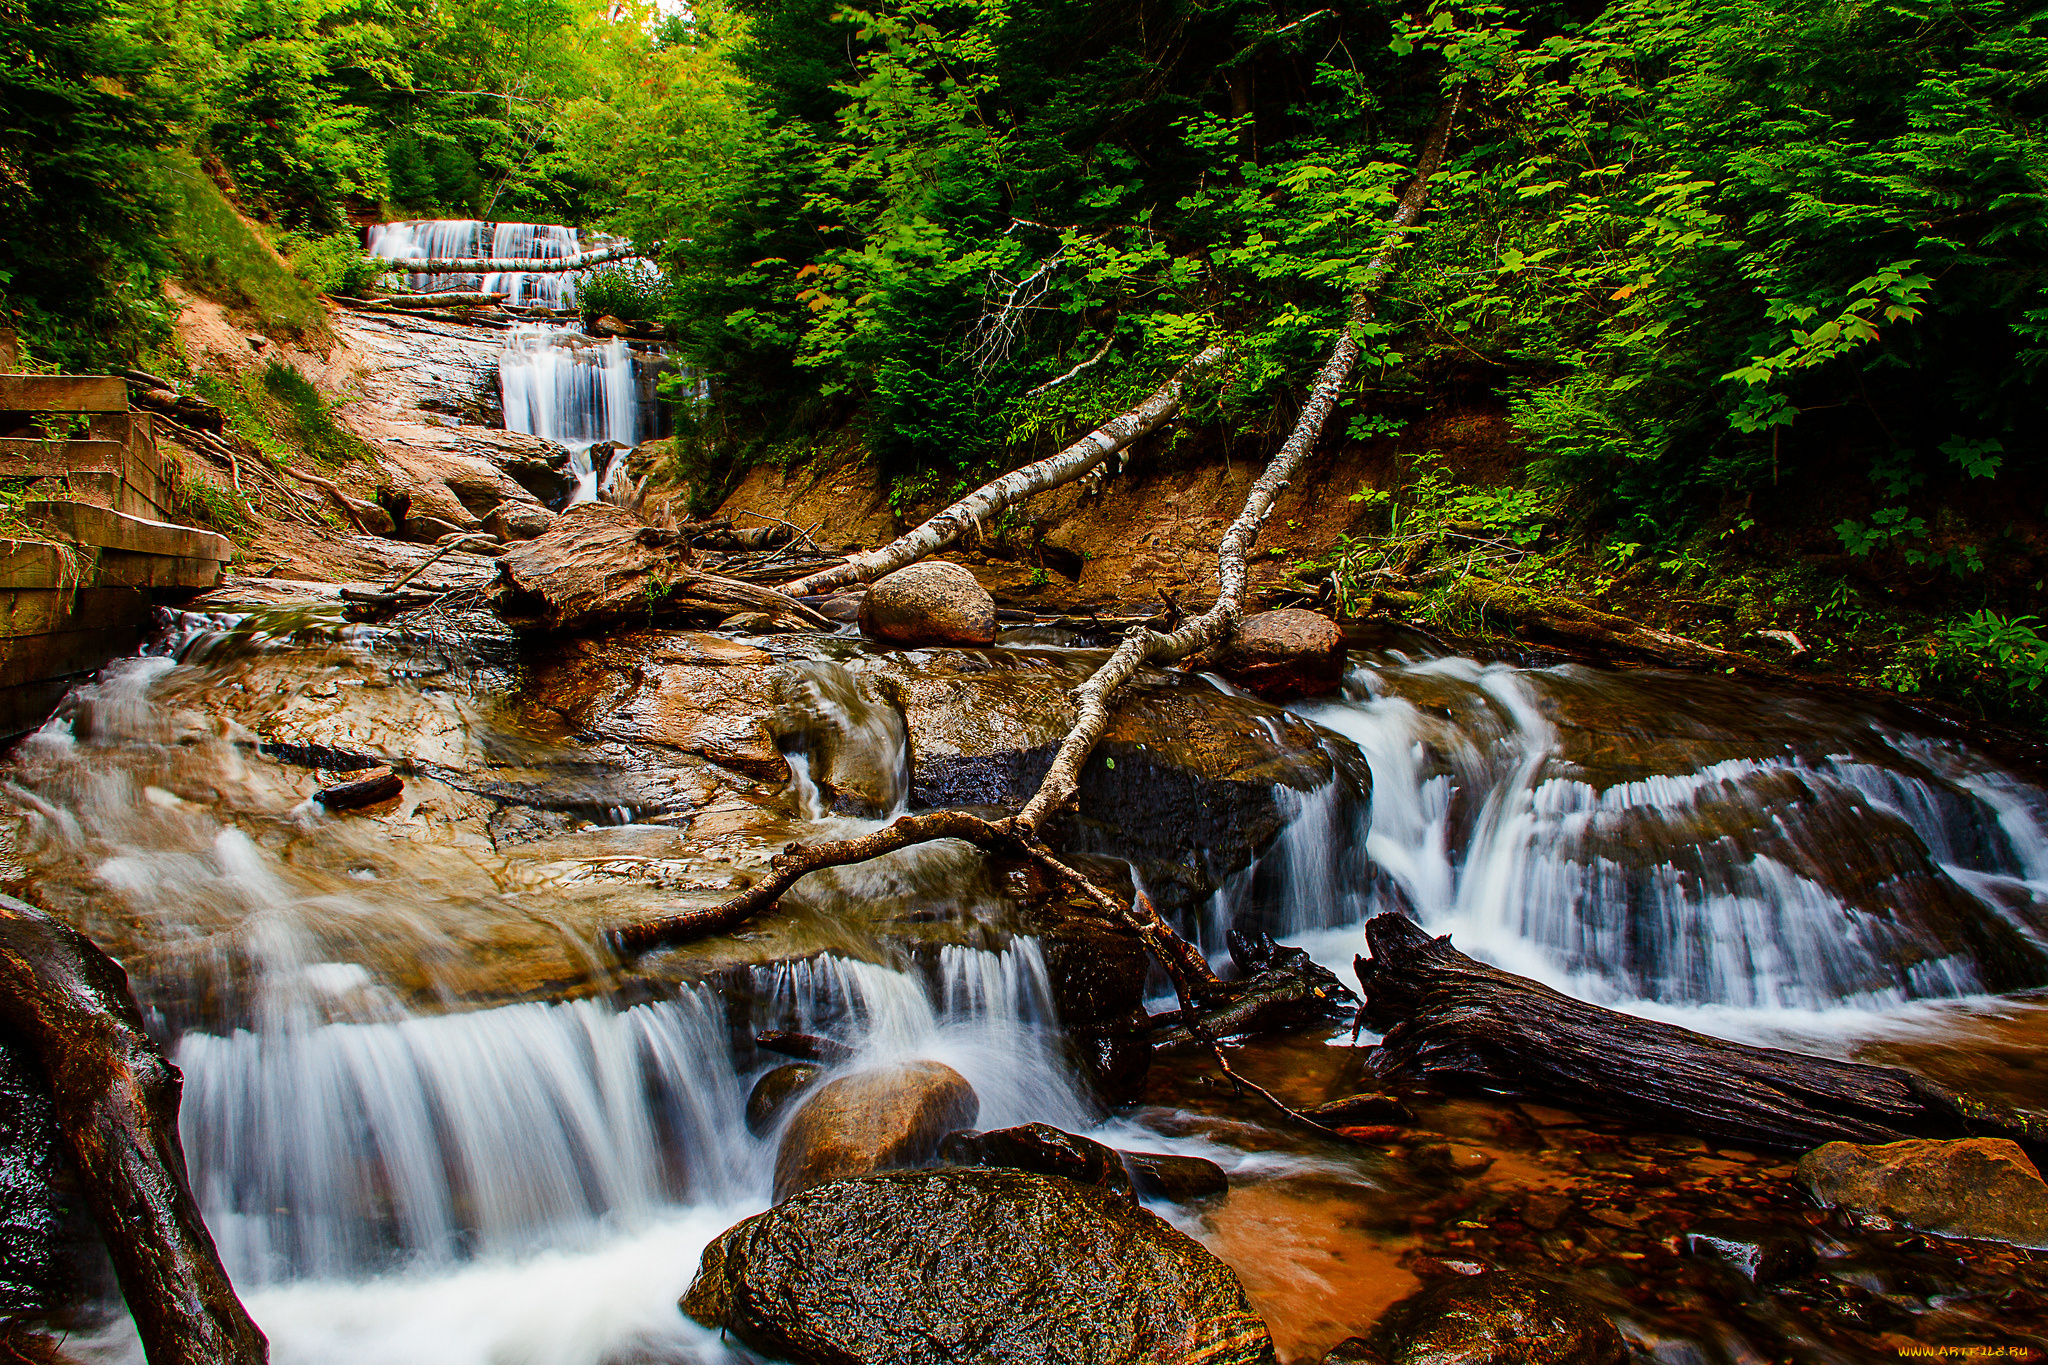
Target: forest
1760	285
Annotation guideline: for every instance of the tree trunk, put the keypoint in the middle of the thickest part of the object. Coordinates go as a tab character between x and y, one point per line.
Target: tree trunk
116	1103
446	300
506	265
1453	1022
988	501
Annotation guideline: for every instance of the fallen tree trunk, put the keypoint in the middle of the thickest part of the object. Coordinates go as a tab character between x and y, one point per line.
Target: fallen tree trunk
444	300
506	265
988	501
116	1104
1569	622
1020	831
1456	1023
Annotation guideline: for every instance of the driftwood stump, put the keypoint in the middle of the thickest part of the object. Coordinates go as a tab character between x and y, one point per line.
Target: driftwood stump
1456	1023
68	1008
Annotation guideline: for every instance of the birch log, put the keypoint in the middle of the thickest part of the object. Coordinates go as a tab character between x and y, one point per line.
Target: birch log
1143	645
506	265
989	500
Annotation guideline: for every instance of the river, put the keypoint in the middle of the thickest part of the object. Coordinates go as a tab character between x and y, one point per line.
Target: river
430	1120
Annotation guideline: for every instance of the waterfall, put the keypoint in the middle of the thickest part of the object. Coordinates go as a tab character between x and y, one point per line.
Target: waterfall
575	391
1796	868
445	238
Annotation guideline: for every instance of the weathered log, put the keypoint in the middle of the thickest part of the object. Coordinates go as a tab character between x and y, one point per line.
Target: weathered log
985	503
1453	1022
506	265
446	299
600	564
116	1102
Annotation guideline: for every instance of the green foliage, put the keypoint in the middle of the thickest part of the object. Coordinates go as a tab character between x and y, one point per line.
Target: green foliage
333	264
1438	529
1993	663
1722	240
197	502
79	210
307	417
622	291
220	255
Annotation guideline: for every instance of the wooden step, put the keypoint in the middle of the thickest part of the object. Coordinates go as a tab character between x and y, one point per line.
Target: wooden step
111	530
63	393
22	458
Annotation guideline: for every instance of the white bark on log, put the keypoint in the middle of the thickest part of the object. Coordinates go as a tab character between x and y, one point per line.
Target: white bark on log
990	499
1143	645
447	300
507	265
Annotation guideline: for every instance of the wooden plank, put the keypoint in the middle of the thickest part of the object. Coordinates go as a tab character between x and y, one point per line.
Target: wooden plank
120	568
141	500
45	611
63	393
111	530
31	564
100	488
21	458
10	350
25	706
115	426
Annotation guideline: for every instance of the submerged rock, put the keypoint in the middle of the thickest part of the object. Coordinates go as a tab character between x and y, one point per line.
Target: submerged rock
933	603
1283	654
1498	1318
968	1264
871	1120
1759	1252
1042	1148
1177	1179
1969	1187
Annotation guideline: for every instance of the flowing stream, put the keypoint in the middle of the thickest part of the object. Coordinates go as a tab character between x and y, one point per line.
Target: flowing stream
412	1145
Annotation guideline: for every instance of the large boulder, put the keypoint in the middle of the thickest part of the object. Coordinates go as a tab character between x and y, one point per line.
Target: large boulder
1283	654
1499	1318
933	603
968	1264
1968	1187
871	1120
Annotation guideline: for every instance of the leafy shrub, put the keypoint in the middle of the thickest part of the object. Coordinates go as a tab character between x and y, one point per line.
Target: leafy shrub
333	264
626	290
1995	664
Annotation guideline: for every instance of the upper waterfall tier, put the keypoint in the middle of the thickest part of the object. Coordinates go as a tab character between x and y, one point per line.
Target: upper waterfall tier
444	238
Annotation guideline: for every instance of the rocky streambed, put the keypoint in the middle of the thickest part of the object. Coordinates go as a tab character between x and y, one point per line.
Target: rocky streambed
430	1116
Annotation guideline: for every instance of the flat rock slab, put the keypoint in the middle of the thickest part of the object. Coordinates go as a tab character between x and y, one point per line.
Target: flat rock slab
1969	1187
997	1267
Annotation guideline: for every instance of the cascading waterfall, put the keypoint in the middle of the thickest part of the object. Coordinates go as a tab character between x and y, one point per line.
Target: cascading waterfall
405	1174
442	239
1862	868
575	391
554	382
